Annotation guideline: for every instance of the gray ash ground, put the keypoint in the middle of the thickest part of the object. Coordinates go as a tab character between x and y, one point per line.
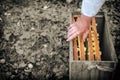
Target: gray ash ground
33	42
33	38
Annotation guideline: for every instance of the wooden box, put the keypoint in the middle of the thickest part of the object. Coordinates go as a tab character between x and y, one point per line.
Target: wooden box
95	70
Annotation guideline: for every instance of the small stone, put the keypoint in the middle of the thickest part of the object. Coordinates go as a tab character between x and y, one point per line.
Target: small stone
6	36
47	76
15	65
32	29
7	14
38	63
21	77
68	1
30	65
2	61
12	76
8	73
0	19
45	7
45	45
27	70
22	64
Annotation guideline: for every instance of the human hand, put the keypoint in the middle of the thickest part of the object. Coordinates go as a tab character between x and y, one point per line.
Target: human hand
81	26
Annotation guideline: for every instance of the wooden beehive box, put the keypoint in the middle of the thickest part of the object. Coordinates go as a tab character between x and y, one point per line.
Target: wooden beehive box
94	69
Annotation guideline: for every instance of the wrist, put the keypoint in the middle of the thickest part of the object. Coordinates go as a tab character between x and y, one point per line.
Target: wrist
86	18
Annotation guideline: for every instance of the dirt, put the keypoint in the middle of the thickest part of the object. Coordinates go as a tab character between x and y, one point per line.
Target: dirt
33	42
33	38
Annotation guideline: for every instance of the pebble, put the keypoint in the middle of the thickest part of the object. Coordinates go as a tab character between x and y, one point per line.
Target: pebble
68	1
2	61
0	19
7	14
45	7
30	65
32	29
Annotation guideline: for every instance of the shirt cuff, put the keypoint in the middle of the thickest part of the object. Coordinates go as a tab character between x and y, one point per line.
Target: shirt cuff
91	7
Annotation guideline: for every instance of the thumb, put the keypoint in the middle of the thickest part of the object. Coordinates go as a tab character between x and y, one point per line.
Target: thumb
85	34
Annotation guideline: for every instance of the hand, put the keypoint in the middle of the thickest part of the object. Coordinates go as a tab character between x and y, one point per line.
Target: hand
81	26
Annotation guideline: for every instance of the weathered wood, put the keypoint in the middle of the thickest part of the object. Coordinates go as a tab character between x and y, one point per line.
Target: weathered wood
90	47
75	52
97	48
81	44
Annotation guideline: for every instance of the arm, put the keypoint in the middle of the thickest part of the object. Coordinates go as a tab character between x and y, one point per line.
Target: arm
89	9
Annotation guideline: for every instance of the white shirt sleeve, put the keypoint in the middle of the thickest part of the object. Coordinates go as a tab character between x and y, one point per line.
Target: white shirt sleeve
91	7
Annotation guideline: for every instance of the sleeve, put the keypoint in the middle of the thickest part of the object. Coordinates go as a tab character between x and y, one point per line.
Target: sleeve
91	7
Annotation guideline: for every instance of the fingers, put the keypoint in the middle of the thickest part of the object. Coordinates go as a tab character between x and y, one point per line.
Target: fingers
70	26
71	32
71	29
74	30
85	34
72	36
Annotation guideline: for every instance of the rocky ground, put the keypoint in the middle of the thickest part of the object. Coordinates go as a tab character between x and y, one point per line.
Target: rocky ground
33	38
